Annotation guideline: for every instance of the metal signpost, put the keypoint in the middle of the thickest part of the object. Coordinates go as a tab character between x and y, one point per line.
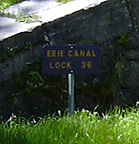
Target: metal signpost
71	93
71	60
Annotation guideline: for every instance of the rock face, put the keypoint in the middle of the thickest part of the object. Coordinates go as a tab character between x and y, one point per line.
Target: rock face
114	26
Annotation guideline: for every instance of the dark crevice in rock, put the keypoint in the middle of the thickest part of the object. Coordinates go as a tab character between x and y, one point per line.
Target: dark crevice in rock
135	26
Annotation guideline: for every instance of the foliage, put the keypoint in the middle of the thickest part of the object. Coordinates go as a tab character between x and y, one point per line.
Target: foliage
27	18
34	80
11	51
3	5
64	1
6	3
28	46
123	39
116	127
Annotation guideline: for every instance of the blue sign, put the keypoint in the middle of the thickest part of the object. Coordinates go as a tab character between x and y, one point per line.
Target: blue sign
67	58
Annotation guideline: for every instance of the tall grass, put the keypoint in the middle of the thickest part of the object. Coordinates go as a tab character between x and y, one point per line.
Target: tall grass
116	127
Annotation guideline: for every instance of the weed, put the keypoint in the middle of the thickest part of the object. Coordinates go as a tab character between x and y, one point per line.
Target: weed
27	18
123	39
11	51
34	79
28	46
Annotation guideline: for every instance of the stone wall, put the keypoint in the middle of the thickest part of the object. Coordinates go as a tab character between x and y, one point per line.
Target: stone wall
84	26
114	26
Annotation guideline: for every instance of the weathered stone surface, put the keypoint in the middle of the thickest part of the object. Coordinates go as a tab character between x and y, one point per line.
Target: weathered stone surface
132	54
130	77
92	25
19	41
118	82
131	95
133	41
85	26
46	11
132	13
136	11
16	34
18	63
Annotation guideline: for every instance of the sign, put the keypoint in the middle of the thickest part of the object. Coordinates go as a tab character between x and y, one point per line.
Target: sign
67	58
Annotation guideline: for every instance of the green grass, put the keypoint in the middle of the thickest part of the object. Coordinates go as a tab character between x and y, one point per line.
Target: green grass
116	127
